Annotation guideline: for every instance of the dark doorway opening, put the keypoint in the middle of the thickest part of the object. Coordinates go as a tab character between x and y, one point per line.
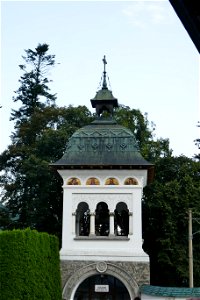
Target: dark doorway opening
102	287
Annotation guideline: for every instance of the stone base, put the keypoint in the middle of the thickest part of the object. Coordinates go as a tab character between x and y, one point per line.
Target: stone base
131	274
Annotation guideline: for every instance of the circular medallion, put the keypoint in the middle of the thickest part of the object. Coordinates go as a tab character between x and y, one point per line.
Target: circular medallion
101	267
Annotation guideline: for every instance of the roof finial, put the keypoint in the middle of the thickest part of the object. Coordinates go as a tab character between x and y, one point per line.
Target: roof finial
104	62
104	73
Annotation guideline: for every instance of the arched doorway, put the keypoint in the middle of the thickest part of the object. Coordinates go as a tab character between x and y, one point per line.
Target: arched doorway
102	287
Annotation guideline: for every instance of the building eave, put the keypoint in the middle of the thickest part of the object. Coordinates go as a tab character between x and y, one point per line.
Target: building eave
189	14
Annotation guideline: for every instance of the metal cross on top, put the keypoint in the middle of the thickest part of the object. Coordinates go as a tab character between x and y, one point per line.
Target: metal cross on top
104	62
104	86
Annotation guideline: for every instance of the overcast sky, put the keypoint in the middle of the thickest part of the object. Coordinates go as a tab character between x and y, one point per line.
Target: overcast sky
152	63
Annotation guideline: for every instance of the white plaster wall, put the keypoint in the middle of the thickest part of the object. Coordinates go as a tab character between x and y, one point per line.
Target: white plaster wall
102	249
107	194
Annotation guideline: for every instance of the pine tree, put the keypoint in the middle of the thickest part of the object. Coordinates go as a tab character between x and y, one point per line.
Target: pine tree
34	83
30	190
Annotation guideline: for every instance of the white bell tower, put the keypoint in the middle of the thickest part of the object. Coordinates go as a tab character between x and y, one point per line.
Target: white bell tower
103	179
102	220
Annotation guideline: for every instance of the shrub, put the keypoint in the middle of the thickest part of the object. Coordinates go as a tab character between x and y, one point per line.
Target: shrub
29	266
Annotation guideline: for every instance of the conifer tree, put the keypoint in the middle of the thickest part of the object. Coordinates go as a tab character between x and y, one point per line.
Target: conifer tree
31	191
34	91
27	182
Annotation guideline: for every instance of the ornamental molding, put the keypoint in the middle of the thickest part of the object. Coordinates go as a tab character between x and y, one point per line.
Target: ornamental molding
104	132
110	143
101	267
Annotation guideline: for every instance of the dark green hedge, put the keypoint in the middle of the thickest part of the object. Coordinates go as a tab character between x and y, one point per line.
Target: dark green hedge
29	266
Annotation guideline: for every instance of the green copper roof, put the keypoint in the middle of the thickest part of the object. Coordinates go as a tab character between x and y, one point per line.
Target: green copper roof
170	291
104	94
102	143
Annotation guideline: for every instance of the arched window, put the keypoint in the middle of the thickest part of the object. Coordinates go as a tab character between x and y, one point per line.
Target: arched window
92	181
82	219
112	181
122	219
73	181
102	219
131	181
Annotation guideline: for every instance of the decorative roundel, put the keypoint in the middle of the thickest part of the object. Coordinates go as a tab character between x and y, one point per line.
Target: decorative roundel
101	267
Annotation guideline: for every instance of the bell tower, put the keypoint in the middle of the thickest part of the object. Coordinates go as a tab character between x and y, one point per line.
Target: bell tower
103	176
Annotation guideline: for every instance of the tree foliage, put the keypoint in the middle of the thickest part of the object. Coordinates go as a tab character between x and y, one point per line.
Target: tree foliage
34	84
197	143
175	189
31	191
150	147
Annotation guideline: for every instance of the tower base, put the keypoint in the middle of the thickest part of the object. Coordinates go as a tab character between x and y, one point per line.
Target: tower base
131	276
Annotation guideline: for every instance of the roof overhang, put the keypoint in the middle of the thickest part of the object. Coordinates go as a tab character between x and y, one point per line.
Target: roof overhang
150	168
189	14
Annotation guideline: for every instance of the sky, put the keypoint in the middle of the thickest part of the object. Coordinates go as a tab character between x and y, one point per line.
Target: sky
152	63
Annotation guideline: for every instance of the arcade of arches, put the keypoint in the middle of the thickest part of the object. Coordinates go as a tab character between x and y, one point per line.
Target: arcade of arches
101	222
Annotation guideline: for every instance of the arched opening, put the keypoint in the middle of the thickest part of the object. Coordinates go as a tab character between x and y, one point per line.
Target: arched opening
122	219
82	219
102	219
102	287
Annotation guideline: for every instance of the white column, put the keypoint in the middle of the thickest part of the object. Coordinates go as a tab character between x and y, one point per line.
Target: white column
137	220
130	223
111	219
92	224
74	223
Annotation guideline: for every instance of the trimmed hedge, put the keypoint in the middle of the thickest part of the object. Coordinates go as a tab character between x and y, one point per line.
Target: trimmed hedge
29	266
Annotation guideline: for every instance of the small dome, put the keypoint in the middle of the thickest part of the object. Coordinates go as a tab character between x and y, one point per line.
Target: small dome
103	143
